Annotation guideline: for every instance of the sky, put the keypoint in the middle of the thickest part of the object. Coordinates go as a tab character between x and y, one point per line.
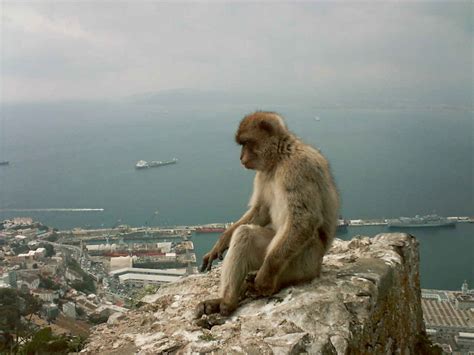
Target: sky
415	52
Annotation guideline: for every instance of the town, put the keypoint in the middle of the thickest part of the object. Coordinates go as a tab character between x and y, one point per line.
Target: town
69	283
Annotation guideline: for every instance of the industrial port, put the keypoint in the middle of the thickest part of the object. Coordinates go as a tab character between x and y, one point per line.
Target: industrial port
129	233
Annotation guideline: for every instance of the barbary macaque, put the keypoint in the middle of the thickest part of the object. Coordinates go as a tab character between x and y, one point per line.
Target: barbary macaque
291	222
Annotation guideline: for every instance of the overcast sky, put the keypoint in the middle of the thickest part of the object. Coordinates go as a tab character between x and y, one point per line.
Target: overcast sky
58	50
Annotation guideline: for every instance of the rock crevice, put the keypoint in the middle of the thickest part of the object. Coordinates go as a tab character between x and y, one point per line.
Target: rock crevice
367	300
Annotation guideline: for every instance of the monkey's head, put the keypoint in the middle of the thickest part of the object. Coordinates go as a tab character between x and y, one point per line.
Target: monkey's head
259	135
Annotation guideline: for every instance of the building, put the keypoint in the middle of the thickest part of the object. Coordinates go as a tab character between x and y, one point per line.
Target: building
69	309
21	238
72	275
12	278
141	280
46	295
28	280
165	247
136	270
5	280
449	318
50	310
139	277
465	341
465	298
50	268
33	254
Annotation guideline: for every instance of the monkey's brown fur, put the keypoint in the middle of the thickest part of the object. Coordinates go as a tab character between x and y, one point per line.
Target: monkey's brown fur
291	221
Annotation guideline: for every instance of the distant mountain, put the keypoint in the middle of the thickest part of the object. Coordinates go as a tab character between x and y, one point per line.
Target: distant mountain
193	97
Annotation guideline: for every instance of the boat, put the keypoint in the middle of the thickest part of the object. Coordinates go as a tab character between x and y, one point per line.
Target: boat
143	164
6	162
210	230
431	220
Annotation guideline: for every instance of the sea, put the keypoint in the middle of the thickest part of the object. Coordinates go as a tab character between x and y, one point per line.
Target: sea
386	162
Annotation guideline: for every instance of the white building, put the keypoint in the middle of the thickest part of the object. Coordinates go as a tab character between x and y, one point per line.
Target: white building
30	281
164	246
140	280
69	310
46	295
136	270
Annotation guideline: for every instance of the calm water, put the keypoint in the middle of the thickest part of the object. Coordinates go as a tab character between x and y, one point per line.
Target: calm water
386	163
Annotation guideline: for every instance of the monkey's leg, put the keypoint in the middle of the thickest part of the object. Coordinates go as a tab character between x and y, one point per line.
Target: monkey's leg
246	253
305	265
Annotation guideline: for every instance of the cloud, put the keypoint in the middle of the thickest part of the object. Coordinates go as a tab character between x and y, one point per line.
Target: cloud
67	50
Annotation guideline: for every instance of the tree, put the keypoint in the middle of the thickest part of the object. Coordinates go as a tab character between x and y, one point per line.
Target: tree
52	238
15	306
48	283
49	250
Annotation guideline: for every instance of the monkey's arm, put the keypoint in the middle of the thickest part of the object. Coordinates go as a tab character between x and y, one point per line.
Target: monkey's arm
255	215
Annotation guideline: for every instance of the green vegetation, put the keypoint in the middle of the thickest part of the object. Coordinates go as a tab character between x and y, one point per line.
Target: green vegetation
52	238
16	309
45	342
135	301
207	337
19	248
98	318
48	283
49	249
18	335
85	285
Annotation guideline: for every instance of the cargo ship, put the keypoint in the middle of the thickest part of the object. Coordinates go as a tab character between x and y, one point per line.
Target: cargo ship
143	164
431	220
5	162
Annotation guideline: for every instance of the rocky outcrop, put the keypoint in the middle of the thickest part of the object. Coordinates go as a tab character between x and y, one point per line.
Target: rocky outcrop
367	301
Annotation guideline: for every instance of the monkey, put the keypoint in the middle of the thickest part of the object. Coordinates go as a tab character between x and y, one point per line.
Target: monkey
291	220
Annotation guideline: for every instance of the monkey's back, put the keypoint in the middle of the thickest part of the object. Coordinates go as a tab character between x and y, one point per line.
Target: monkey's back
312	190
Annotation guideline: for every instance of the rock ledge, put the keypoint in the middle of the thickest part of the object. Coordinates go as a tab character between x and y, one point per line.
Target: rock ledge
366	301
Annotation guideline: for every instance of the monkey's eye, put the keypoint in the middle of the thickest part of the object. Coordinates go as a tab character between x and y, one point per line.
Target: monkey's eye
248	142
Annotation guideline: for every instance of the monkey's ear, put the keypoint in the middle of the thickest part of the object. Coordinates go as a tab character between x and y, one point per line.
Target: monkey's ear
266	126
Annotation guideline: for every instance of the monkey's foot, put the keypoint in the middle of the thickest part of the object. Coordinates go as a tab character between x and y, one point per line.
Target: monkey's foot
216	305
208	321
208	307
255	290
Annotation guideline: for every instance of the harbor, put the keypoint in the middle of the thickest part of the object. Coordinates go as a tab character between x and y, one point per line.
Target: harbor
128	233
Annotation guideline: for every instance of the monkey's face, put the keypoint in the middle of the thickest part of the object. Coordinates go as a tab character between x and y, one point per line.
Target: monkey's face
258	134
249	156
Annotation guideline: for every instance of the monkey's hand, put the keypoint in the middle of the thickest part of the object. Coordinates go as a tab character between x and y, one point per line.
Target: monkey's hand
217	252
259	285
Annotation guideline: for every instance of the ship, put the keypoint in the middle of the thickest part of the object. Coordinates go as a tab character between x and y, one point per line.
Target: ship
431	220
6	162
143	164
209	230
